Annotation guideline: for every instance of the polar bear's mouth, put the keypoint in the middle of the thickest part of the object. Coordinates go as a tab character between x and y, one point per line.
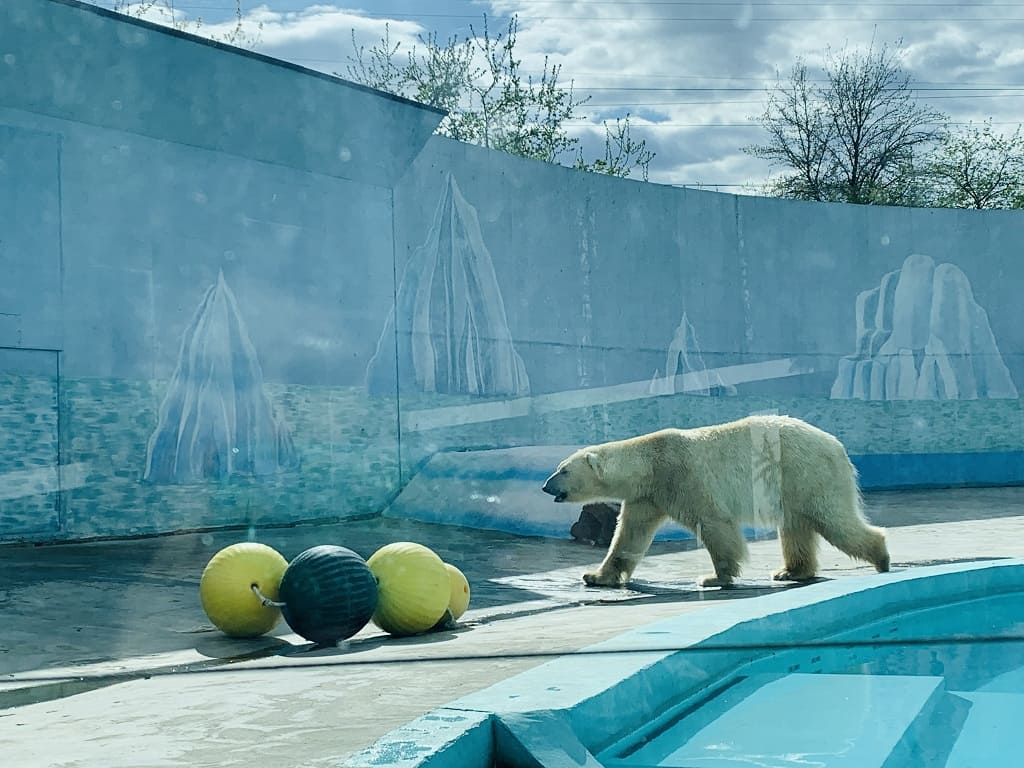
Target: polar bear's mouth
552	486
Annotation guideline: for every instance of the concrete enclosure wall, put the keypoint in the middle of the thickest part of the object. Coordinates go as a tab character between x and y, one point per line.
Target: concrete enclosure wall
634	306
195	244
238	292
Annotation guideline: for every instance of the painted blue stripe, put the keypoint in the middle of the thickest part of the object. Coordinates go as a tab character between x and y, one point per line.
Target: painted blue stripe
487	475
554	528
880	471
939	470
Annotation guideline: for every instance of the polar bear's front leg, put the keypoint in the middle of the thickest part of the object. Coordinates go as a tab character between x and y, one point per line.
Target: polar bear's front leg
634	532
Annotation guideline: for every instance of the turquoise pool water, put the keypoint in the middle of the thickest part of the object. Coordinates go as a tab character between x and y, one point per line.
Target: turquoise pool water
921	668
953	696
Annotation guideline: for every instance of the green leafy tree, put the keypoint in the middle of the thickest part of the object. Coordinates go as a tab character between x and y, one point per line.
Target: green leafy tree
479	82
977	168
855	136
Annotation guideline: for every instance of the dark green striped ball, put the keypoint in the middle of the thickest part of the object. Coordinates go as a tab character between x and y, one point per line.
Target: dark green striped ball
329	594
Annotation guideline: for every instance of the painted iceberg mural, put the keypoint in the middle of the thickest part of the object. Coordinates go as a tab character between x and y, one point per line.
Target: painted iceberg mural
922	336
215	420
684	359
453	335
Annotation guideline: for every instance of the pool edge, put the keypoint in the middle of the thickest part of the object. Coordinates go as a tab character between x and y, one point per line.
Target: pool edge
650	664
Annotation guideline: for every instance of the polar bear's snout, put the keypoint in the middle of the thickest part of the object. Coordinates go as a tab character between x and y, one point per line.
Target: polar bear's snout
556	486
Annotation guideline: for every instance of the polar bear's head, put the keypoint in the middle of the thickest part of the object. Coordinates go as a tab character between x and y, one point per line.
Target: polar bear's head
581	478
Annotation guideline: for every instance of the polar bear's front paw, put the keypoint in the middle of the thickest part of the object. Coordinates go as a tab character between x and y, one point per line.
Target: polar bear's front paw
792	574
599	579
713	580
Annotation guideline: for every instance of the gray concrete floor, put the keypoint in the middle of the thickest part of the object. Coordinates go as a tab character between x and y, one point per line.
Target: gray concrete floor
106	658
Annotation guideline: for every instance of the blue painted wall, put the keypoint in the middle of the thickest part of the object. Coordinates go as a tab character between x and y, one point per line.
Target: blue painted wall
200	242
244	293
894	328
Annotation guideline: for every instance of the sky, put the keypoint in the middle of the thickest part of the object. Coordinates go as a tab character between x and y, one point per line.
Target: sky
692	75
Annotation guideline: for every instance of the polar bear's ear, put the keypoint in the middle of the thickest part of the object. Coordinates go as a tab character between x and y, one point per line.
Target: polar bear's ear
595	464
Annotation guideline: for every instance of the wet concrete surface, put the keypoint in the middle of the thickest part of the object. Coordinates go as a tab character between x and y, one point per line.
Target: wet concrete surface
106	658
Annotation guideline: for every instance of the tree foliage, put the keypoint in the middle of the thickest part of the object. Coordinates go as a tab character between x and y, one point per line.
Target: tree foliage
480	83
855	136
621	152
169	16
977	168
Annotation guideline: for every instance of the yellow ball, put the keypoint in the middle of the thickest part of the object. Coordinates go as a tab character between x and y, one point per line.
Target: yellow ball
459	600
225	589
413	588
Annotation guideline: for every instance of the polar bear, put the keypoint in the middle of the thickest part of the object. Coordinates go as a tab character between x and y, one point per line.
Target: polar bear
768	471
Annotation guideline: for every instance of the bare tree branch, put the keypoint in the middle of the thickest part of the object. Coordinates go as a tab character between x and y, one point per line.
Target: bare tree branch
479	82
853	138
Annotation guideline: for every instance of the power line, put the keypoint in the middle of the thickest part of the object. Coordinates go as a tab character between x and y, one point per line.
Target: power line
683	3
751	125
768	4
645	126
413	15
751	102
701	184
926	86
738	89
662	19
746	101
764	82
264	664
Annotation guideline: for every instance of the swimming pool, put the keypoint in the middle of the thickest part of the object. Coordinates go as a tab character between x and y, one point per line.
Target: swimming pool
923	667
913	701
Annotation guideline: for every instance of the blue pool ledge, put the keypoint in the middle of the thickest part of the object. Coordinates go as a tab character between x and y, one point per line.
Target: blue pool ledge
570	709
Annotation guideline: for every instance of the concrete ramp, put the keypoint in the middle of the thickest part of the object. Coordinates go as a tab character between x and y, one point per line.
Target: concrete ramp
826	721
499	490
992	732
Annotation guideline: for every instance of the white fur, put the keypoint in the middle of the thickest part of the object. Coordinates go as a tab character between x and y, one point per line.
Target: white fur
768	471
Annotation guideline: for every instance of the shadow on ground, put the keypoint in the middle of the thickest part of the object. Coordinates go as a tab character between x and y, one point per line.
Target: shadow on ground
947	505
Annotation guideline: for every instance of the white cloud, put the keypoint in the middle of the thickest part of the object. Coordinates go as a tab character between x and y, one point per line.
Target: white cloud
742	46
622	53
155	11
317	36
320	36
